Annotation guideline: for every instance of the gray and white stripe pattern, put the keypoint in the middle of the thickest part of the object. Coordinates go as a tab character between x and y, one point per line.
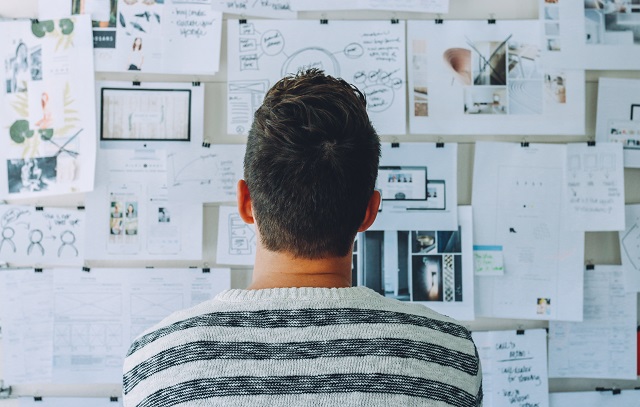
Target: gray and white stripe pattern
307	346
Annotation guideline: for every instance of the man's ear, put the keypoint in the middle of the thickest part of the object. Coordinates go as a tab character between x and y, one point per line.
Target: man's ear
372	211
244	202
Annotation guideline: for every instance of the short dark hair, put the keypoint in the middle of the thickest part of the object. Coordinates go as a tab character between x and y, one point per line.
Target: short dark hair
311	165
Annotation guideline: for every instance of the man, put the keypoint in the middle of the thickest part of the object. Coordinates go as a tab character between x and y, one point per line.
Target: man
301	335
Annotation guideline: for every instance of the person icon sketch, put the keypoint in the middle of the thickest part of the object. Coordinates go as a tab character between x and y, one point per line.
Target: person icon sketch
47	120
68	238
35	237
7	237
136	57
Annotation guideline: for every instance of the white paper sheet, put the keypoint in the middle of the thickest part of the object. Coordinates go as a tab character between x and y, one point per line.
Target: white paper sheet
422	6
99	314
618	117
263	8
205	174
433	267
41	236
236	239
603	345
514	367
48	116
169	36
369	54
76	326
418	184
630	248
131	215
26	313
471	77
518	204
592	34
594	193
69	402
627	398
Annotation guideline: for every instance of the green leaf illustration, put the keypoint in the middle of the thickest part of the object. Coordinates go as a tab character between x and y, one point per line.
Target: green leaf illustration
39	29
46	134
66	26
19	131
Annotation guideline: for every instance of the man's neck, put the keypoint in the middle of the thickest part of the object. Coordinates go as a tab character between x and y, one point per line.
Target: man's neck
281	270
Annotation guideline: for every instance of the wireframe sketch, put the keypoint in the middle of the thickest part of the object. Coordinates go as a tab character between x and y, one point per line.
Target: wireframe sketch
367	54
156	305
45	236
242	239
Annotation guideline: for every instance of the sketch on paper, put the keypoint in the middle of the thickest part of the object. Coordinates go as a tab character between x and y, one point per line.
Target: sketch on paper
490	70
48	117
366	53
41	235
205	174
236	240
242	239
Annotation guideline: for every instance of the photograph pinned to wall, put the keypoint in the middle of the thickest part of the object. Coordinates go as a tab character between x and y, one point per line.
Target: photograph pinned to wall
49	119
496	81
236	239
593	34
154	115
251	8
46	236
205	174
414	193
158	36
618	118
369	54
103	16
518	195
131	211
430	266
68	402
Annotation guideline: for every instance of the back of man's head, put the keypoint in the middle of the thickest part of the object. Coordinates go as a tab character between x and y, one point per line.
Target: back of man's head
311	165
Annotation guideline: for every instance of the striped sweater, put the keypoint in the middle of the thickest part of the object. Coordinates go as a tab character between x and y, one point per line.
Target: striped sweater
303	347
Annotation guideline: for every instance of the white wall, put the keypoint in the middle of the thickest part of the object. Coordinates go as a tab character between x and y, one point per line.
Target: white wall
601	247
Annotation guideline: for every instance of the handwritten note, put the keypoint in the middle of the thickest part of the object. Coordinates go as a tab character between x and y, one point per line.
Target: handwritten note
488	260
194	27
262	8
514	368
424	6
595	187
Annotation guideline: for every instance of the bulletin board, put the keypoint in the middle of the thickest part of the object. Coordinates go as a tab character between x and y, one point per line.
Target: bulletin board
600	247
